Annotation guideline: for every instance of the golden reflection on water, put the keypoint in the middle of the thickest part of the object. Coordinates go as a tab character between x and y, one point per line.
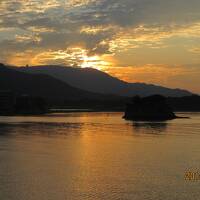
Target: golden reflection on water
97	156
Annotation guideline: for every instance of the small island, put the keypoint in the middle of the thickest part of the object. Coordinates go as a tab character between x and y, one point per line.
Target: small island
149	108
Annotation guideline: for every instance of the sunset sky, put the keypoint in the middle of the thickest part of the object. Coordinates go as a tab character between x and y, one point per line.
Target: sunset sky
152	41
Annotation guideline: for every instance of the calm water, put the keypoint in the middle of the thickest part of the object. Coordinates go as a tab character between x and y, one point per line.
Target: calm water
98	156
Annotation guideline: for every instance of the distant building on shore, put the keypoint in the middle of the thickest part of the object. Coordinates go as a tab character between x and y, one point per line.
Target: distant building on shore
7	102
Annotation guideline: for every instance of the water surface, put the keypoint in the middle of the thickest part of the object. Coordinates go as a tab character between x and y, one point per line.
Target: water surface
98	156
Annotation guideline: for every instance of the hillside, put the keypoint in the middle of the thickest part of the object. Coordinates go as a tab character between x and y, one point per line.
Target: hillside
44	86
97	81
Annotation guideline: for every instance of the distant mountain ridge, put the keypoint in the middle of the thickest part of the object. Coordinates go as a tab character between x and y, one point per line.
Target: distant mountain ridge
97	81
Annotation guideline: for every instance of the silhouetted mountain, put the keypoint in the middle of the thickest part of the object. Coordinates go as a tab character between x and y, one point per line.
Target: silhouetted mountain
97	81
61	94
44	86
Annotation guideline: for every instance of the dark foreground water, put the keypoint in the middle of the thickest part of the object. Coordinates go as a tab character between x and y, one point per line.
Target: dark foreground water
98	156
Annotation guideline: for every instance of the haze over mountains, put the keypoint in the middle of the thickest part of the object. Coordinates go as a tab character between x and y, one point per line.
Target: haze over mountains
97	81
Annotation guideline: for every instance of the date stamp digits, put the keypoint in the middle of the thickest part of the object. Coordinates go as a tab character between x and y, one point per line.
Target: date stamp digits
192	176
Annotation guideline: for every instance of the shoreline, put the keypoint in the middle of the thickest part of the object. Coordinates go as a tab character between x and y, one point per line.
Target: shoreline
57	111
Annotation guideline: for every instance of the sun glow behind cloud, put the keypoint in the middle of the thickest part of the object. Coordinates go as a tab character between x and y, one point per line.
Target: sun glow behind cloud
75	56
95	62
